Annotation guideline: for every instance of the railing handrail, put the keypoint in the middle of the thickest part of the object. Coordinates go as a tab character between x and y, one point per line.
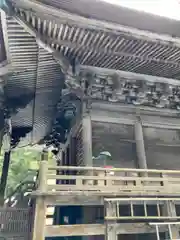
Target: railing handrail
135	170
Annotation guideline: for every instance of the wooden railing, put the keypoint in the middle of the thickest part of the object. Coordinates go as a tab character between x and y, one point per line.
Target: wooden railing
98	229
117	181
141	208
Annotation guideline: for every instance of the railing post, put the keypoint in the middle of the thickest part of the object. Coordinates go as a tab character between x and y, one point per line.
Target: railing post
40	205
164	180
101	174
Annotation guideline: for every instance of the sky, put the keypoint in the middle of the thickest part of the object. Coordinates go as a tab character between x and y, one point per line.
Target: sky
166	8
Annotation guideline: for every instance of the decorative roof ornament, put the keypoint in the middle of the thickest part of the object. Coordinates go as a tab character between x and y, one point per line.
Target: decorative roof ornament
136	92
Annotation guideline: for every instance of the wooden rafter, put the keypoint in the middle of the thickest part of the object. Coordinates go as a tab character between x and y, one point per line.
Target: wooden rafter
41	41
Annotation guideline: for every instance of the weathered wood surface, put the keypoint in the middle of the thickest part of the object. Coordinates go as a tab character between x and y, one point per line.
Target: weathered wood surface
113	131
99	182
97	229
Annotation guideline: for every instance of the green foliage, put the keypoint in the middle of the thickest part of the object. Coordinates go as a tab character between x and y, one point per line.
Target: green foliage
22	160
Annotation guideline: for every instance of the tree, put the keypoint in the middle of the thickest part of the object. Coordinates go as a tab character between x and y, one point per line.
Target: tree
22	160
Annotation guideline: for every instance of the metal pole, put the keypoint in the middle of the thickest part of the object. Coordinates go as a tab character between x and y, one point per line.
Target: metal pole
4	176
7	149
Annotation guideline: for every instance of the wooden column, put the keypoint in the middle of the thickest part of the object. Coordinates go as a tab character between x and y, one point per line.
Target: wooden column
87	140
110	229
140	149
87	152
40	206
89	215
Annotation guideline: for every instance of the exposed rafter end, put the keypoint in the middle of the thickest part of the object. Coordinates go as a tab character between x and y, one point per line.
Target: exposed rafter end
64	62
41	41
44	42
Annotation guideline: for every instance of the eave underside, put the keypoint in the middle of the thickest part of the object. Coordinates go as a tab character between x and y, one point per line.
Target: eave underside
33	73
74	36
121	48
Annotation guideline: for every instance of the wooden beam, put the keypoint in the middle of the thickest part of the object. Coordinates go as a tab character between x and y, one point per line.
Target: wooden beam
141	199
74	201
106	119
130	109
58	15
161	125
131	122
129	75
97	229
106	112
75	230
82	200
130	170
108	192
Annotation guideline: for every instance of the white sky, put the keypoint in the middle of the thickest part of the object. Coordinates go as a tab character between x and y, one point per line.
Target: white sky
166	8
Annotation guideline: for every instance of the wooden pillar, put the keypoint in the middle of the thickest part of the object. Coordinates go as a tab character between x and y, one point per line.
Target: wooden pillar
140	149
87	152
40	206
87	140
110	229
89	216
111	232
